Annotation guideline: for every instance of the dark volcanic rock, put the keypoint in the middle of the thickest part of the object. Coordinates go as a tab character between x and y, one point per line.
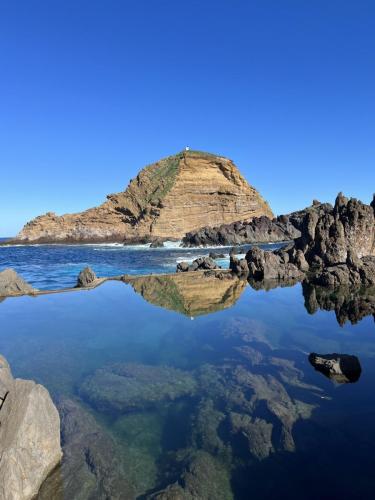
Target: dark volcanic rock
129	386
12	284
200	264
342	368
91	468
336	246
238	266
258	230
86	278
213	255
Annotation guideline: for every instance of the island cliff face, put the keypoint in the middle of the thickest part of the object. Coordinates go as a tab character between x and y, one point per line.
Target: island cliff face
166	200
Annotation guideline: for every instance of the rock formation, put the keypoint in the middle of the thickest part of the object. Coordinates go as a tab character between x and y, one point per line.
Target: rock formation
191	294
12	284
86	278
167	199
341	368
29	436
200	264
336	246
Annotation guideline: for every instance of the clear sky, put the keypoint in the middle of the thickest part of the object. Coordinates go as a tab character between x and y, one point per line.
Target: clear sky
91	91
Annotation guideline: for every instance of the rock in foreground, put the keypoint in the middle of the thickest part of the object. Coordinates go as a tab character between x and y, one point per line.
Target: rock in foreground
200	264
12	284
342	368
29	436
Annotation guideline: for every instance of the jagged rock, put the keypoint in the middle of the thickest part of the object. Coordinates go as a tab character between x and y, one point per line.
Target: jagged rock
86	278
167	199
200	264
29	436
12	284
129	386
342	368
91	468
238	266
336	246
266	265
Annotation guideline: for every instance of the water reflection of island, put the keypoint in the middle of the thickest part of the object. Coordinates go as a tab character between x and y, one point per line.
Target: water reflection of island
192	294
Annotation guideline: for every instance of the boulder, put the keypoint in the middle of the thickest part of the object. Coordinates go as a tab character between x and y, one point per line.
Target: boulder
12	284
341	368
214	256
238	266
86	278
200	264
29	436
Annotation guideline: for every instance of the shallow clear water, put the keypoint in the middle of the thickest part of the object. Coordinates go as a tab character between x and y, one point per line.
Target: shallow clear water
237	410
57	266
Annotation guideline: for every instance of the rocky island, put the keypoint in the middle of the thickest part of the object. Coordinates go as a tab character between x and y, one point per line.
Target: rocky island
167	199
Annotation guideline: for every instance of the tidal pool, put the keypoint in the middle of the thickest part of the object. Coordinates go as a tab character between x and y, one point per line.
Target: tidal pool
200	388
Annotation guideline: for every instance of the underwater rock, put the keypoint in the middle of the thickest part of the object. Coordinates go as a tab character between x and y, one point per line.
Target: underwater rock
12	284
91	468
129	386
341	368
86	278
203	478
213	255
29	436
256	431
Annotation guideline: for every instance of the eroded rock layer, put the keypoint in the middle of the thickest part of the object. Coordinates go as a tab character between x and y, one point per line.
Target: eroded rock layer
167	199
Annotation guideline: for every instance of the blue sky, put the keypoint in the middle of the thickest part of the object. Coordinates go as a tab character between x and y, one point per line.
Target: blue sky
91	91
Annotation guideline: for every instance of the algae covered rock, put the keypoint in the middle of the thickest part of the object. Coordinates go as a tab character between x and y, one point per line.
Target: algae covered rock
86	278
129	386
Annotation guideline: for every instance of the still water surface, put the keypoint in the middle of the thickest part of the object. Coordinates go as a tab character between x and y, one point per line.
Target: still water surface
211	393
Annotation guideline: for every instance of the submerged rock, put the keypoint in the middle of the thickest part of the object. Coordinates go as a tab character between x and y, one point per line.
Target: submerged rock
203	478
128	386
342	368
12	284
29	436
86	278
91	468
214	256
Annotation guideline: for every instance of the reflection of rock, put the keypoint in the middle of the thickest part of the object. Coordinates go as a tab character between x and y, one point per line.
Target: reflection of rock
349	303
342	368
192	294
91	467
12	284
129	386
86	278
29	436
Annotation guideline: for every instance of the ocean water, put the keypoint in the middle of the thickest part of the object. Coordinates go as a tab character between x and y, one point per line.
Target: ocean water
57	266
201	383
